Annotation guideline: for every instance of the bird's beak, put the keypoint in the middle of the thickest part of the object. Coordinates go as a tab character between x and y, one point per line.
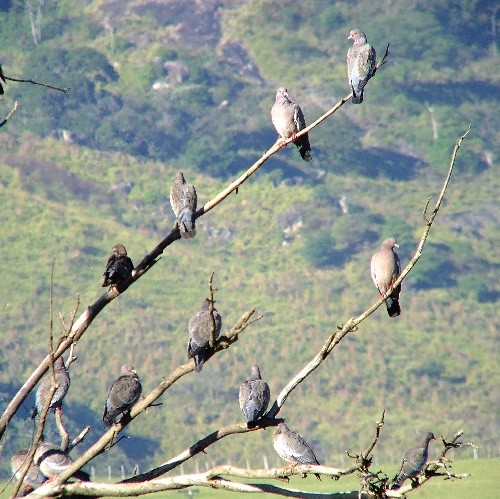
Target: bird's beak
396	245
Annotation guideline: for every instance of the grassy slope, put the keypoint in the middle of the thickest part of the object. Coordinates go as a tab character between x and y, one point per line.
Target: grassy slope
443	329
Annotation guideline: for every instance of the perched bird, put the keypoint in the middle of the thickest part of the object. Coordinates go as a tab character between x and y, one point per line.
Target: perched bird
291	447
361	59
33	478
385	269
119	266
414	461
123	394
199	328
254	396
42	394
288	119
183	200
51	460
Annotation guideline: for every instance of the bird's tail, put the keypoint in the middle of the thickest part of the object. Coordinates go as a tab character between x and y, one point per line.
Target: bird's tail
186	223
397	481
357	98
304	147
393	308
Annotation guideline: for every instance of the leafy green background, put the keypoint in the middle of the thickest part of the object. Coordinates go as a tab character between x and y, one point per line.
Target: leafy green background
284	243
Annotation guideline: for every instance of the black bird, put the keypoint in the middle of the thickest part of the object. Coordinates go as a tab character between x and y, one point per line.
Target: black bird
123	394
119	266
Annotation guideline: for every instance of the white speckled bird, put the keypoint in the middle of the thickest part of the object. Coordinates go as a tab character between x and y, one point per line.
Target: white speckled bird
361	61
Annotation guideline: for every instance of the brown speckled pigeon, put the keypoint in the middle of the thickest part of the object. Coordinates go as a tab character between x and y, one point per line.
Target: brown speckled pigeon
361	61
42	394
33	478
183	200
414	462
199	328
51	460
288	119
254	396
119	266
291	447
123	394
385	269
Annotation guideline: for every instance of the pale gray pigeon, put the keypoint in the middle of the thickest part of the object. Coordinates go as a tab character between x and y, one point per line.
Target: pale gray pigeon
414	462
199	328
42	394
33	478
254	396
123	394
119	266
385	269
291	447
361	62
288	119
183	200
51	460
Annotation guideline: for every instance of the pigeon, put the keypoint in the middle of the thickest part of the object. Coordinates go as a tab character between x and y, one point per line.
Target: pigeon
119	266
254	396
51	460
183	200
385	269
291	447
33	478
123	394
361	59
414	461
42	394
200	327
288	119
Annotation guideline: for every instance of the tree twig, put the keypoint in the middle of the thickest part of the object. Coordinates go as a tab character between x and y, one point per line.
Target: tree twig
33	82
9	116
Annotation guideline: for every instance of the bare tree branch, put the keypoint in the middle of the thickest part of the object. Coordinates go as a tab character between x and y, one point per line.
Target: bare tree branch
9	116
33	82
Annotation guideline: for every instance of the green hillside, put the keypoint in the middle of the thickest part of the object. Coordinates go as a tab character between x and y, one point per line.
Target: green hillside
82	171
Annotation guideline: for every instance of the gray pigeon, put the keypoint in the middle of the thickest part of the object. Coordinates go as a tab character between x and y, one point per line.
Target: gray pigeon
414	462
288	119
183	200
119	266
199	328
291	447
385	269
42	394
51	460
361	60
123	394
254	396
33	478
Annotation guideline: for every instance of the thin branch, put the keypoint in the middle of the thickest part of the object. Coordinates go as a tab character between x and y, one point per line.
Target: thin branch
33	82
211	340
9	116
78	439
